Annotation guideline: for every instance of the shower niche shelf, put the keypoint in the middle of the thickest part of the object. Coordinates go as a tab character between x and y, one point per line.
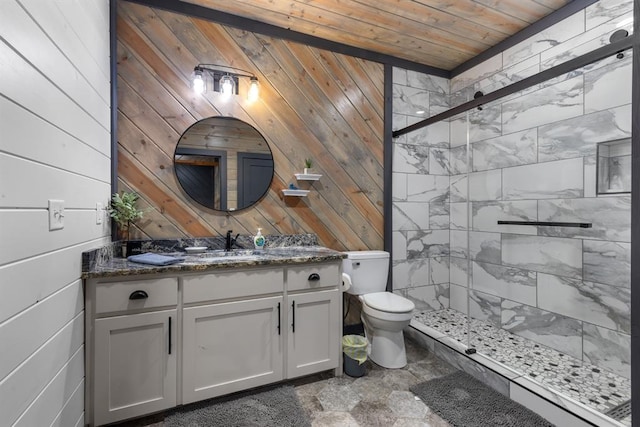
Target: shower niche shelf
613	167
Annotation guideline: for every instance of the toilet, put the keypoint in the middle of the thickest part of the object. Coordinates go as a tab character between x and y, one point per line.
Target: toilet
384	314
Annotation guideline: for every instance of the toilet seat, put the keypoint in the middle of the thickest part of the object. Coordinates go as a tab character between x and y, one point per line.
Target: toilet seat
393	308
388	302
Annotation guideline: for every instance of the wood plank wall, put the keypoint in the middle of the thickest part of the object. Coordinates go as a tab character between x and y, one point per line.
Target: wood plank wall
313	103
55	143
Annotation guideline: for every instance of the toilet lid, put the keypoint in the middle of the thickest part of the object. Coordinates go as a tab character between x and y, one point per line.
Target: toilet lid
386	301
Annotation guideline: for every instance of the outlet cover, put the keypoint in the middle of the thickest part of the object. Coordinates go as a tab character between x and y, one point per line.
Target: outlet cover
99	213
56	215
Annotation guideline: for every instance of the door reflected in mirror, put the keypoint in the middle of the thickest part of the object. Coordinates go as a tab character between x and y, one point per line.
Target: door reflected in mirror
223	163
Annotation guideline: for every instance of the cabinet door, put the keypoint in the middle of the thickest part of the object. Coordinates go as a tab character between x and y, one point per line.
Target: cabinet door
231	346
314	332
135	365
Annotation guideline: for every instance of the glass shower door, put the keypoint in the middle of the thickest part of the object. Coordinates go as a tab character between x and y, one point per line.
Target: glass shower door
547	247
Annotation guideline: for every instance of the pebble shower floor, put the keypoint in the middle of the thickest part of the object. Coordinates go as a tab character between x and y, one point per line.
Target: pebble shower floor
594	387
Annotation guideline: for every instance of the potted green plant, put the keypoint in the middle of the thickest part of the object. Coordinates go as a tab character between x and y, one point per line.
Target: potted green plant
307	165
124	212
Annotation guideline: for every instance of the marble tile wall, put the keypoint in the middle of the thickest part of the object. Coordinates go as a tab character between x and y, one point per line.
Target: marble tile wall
567	288
532	156
421	209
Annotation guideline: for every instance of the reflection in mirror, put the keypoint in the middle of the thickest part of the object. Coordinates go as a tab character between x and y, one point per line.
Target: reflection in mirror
223	163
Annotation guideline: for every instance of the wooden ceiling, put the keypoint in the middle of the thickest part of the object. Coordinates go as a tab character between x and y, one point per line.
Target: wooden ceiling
438	33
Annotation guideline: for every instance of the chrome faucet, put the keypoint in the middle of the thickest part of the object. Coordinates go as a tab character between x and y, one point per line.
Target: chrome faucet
230	241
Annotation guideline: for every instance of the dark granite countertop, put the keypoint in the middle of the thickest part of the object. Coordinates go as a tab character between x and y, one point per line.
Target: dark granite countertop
210	260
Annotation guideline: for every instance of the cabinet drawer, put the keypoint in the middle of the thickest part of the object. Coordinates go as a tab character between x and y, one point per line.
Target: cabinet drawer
313	276
233	284
115	296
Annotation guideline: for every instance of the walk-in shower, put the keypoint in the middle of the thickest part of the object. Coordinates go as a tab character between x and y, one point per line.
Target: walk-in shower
523	254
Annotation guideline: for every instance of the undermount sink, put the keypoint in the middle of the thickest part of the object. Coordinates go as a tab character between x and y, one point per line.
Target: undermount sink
221	255
250	255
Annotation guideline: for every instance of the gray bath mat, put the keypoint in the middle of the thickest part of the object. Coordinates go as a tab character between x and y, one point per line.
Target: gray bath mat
275	407
466	402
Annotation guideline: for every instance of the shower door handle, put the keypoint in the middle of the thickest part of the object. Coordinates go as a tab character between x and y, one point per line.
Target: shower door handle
547	223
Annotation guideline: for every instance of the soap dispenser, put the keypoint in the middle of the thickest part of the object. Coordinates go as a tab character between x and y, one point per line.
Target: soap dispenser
259	240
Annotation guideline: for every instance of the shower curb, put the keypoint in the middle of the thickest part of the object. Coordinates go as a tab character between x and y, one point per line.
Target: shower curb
554	407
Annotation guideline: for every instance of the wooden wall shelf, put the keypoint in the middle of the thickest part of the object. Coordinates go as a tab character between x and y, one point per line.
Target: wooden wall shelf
295	193
307	176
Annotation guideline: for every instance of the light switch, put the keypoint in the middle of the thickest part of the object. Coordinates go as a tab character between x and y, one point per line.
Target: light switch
99	213
56	215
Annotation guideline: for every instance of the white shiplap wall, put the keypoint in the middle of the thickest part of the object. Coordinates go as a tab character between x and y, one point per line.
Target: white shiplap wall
54	144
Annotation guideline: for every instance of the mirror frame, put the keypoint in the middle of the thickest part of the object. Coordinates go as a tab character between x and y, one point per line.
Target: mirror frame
223	160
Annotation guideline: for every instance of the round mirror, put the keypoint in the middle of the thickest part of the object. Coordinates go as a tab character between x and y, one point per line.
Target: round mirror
223	163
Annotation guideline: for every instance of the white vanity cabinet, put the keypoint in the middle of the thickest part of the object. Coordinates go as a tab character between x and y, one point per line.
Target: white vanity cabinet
258	326
132	332
314	319
202	334
233	337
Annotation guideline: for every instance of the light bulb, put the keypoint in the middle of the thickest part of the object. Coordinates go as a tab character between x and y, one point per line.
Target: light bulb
198	83
254	90
226	86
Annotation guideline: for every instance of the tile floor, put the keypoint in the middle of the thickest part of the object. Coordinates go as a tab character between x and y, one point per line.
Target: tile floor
586	383
379	398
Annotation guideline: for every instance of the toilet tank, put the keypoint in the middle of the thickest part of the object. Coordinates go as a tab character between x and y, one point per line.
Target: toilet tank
368	271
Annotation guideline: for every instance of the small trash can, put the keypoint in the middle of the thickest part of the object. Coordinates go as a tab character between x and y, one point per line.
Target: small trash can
354	348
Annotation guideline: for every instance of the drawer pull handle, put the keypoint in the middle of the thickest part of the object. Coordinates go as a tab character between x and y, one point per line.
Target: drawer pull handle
293	315
278	318
313	277
169	334
138	295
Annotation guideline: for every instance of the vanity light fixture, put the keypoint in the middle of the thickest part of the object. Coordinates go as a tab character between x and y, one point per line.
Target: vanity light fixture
198	82
254	90
227	86
223	80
